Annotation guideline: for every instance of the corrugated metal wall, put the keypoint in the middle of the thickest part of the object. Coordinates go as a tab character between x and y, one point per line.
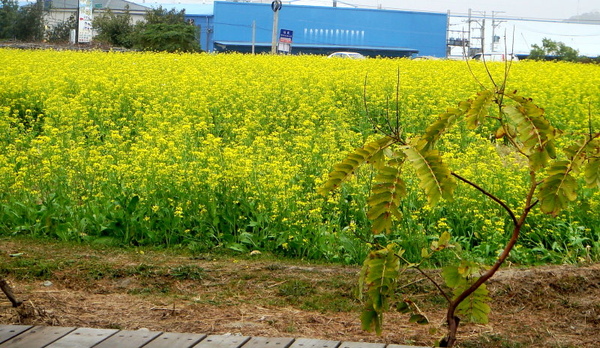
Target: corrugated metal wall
345	27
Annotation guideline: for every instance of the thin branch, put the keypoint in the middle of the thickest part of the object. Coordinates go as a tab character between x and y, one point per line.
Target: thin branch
491	196
590	127
448	299
397	101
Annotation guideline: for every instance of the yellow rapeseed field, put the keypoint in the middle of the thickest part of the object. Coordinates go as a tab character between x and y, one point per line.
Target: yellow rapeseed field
228	150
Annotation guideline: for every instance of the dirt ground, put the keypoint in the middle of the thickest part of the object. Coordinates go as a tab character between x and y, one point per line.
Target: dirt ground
259	295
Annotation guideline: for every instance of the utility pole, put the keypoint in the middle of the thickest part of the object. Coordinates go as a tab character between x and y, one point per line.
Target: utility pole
495	23
481	24
253	35
276	7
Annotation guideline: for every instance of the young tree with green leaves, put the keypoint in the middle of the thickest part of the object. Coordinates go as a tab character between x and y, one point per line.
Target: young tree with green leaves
552	186
167	30
114	29
24	23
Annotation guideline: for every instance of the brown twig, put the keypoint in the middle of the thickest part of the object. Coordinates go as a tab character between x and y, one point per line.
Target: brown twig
8	292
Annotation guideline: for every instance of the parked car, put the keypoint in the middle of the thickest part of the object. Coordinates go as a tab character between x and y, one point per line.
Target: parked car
351	55
496	57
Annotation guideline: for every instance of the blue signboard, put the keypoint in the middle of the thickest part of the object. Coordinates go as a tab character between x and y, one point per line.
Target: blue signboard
285	35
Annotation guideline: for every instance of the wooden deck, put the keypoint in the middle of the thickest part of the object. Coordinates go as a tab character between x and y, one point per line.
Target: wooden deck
25	336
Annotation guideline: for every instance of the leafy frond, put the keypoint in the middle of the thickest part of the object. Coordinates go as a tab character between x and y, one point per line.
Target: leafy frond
534	132
475	307
435	177
592	173
444	122
385	198
560	187
370	153
378	281
592	169
479	108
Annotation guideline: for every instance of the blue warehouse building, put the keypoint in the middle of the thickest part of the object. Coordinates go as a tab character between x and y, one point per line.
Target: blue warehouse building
242	27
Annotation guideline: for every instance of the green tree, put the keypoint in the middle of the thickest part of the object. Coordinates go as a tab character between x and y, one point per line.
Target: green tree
167	30
115	29
553	49
30	25
8	18
61	32
24	23
553	184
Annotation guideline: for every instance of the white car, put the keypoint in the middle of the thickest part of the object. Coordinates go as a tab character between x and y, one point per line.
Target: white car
351	55
496	57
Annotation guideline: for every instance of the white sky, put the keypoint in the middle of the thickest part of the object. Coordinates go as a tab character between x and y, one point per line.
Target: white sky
545	9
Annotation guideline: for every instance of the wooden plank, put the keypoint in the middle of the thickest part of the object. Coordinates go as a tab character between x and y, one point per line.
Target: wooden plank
9	331
260	342
311	343
83	338
175	340
129	339
38	336
361	345
217	341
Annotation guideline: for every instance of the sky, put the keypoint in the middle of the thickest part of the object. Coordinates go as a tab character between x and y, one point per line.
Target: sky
545	9
521	23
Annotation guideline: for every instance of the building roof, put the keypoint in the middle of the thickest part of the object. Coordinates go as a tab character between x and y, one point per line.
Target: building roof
100	4
190	9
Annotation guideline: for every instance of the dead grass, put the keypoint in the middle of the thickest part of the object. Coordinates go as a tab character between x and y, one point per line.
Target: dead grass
99	287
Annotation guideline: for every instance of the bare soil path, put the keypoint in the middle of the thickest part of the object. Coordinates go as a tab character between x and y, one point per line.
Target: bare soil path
259	295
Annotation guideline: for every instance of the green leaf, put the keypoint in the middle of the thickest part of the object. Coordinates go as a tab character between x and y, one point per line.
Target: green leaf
534	132
370	153
371	321
419	319
444	239
434	175
444	122
451	276
559	188
133	204
387	193
403	307
592	173
479	108
378	281
475	308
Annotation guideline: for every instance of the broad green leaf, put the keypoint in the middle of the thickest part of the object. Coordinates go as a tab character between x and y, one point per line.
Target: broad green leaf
370	153
378	280
479	108
475	307
451	276
444	239
419	319
403	307
592	173
559	188
384	201
434	175
371	321
533	130
444	122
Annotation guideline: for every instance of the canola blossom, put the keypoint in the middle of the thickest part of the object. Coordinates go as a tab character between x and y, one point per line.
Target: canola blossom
228	150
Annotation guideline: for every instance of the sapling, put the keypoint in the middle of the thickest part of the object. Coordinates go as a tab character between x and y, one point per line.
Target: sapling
552	185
